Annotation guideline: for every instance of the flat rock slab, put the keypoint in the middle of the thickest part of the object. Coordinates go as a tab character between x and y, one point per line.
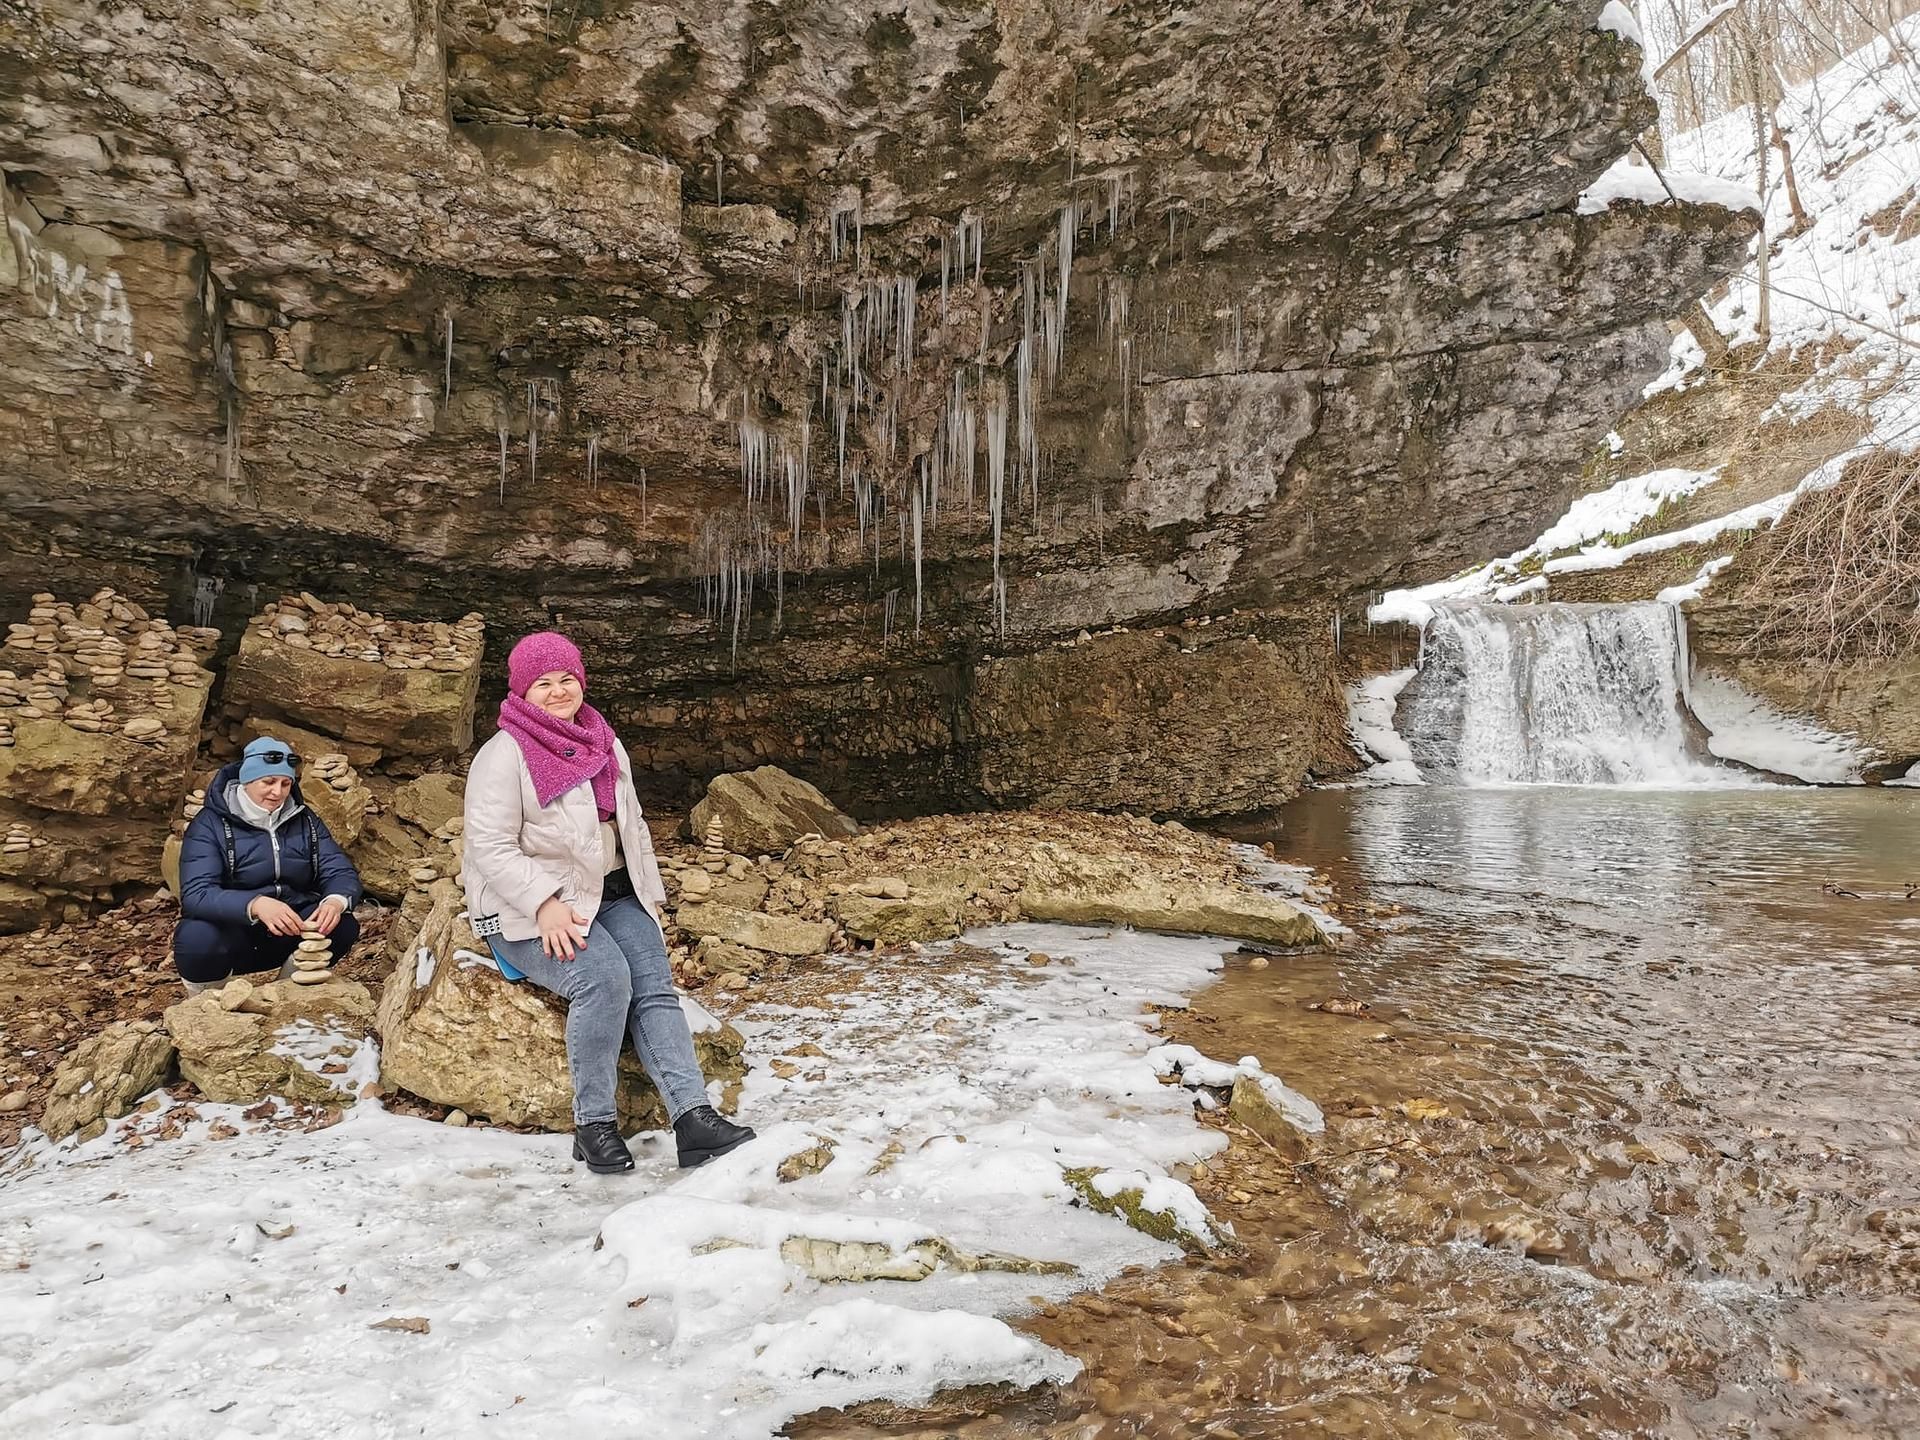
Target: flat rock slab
925	915
52	766
782	934
763	811
1074	888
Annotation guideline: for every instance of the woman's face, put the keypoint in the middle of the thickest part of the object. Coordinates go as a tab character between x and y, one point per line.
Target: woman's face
269	792
558	693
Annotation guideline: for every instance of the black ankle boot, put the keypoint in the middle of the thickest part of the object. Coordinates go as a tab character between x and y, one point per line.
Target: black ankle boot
598	1143
704	1135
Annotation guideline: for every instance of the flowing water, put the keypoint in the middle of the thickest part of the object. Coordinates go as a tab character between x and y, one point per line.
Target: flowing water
1555	694
1625	1146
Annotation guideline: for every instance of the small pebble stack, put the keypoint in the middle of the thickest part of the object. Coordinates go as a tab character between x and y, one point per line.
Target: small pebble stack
713	851
20	839
311	957
334	772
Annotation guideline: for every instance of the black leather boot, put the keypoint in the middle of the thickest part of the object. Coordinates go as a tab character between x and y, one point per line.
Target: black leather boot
599	1144
704	1135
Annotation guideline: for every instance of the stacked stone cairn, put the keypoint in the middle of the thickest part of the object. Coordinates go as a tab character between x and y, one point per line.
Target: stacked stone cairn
99	708
127	661
312	957
334	772
307	622
21	838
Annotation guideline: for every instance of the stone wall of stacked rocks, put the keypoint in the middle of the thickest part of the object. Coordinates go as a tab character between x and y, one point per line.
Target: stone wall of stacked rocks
100	711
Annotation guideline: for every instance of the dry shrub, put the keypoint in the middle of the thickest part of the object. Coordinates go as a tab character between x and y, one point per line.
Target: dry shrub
1844	567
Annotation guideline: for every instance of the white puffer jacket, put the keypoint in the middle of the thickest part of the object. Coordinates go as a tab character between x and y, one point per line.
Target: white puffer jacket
518	855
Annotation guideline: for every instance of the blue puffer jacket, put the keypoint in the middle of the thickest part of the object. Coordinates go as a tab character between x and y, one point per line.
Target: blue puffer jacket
298	862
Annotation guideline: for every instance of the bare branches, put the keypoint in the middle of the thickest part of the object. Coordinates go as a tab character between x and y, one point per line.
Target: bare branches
1845	569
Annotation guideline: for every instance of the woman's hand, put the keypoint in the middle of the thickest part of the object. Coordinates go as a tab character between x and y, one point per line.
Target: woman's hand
279	917
326	916
562	931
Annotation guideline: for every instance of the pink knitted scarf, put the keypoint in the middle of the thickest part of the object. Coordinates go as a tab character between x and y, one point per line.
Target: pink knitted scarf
562	753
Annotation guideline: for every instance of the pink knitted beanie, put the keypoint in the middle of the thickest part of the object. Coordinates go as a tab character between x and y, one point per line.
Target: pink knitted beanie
539	654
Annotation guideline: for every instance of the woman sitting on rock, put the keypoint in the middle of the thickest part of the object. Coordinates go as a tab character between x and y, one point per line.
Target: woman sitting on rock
561	880
255	866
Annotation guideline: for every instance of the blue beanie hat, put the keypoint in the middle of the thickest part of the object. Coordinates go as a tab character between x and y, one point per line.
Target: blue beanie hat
255	764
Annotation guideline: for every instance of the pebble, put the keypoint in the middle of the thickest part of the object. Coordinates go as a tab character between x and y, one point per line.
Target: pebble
456	1118
13	1102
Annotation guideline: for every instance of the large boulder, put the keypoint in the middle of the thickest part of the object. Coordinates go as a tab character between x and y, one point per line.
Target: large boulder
1075	887
454	1032
105	1076
79	852
245	1042
401	712
763	811
927	913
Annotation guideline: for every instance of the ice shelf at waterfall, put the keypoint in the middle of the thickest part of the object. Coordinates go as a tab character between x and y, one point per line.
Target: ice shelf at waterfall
1370	708
1555	694
1743	727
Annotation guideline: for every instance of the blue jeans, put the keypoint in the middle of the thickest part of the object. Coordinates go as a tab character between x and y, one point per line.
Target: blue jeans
618	984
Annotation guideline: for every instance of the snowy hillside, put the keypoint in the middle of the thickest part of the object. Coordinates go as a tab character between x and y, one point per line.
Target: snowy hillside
1844	298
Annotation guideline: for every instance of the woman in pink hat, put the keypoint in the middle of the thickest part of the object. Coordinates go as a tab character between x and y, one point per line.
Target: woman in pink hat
561	881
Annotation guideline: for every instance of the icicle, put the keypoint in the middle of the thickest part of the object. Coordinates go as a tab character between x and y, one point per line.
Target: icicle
446	383
643	497
503	462
206	591
719	184
996	472
593	462
919	507
533	432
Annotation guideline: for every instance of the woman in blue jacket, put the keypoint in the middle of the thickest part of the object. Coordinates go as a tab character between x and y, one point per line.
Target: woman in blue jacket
255	865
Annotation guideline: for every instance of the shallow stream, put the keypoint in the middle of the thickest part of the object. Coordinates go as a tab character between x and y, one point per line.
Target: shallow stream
1624	1145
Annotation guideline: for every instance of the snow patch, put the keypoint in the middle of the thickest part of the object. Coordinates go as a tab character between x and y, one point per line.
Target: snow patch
1626	181
1696	587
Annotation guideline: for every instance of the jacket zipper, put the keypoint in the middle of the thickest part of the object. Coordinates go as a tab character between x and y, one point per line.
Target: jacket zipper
273	838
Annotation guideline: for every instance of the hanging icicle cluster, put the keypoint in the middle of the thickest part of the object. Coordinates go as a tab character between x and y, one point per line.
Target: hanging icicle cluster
987	416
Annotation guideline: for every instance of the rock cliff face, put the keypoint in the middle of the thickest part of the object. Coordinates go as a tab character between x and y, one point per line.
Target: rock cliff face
823	367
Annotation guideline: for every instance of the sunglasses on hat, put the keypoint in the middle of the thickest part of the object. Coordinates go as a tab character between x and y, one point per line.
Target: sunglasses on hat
275	757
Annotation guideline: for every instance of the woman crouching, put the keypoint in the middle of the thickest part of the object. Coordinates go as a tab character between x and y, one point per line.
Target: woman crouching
256	866
561	881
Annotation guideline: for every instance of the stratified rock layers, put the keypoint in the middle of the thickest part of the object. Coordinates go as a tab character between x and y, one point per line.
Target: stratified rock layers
676	325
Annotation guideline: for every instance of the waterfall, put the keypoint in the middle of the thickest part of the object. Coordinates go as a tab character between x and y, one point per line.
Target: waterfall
1554	694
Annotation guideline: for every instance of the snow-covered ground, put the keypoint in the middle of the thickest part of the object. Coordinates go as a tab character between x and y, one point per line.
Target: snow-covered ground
219	1288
